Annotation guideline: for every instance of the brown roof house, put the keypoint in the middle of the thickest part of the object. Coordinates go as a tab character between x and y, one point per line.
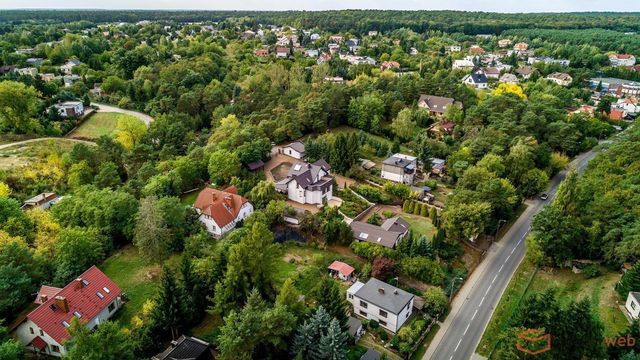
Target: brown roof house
441	128
437	105
389	234
221	210
525	71
342	271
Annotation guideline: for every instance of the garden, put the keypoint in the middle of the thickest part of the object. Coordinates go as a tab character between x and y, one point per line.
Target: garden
99	124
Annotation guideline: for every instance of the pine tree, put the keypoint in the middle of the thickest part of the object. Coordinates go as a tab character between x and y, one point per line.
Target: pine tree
305	341
405	206
421	247
328	295
289	296
424	211
630	281
433	214
192	288
169	312
333	344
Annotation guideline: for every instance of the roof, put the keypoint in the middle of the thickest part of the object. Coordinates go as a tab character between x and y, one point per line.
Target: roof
560	76
297	146
45	293
400	160
370	355
374	234
438	103
87	296
255	165
186	348
525	70
478	77
38	343
384	295
396	224
635	295
309	176
41	199
621	56
342	268
221	205
354	325
492	70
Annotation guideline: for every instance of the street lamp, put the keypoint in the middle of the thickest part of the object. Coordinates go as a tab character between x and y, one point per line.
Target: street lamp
498	228
453	282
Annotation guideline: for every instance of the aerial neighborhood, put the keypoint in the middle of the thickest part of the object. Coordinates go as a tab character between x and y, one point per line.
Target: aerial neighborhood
318	184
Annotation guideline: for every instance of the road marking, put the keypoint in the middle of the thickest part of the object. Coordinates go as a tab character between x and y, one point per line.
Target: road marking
474	314
494	278
486	292
514	249
467	329
501	266
507	259
481	301
456	349
451	357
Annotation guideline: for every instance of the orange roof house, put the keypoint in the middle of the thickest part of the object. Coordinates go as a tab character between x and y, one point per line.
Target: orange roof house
221	210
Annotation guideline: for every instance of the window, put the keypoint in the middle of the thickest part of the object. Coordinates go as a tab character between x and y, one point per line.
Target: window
55	348
100	295
41	332
363	304
112	306
66	324
85	282
382	323
633	305
383	313
350	296
363	313
106	289
77	314
31	330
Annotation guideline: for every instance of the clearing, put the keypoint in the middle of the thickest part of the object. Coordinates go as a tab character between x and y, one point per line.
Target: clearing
98	124
25	153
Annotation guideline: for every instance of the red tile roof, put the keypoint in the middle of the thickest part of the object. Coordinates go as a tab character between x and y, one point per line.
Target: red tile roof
221	205
616	114
342	268
82	299
45	293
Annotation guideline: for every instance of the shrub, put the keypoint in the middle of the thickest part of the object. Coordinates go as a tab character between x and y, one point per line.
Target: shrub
591	271
372	193
431	183
423	269
375	219
410	205
424	211
417	208
371	251
388	214
383	334
398	190
373	325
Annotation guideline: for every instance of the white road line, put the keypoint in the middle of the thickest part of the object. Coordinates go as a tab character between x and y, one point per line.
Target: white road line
507	259
514	249
494	278
456	349
451	357
501	266
486	292
481	301
474	314
467	329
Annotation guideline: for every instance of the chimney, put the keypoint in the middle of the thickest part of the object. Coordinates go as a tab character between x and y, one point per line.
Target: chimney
395	291
213	197
381	291
61	303
44	298
227	200
77	283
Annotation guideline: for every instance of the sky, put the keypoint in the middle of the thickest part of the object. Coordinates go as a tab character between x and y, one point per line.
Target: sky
471	5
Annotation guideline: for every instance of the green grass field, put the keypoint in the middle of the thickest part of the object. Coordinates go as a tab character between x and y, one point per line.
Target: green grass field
136	277
19	155
570	287
98	124
420	225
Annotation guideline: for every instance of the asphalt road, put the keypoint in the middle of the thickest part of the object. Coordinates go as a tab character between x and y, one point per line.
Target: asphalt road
471	311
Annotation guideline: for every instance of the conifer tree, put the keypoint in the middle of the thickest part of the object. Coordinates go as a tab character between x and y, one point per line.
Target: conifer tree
329	296
630	281
333	344
169	311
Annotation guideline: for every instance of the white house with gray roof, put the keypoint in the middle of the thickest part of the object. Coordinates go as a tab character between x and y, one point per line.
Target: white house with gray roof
389	234
308	183
633	305
376	300
295	150
399	168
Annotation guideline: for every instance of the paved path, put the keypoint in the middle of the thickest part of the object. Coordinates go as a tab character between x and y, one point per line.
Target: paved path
4	146
472	308
108	108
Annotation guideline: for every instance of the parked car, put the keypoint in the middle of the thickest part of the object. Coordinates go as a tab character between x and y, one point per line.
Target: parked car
544	196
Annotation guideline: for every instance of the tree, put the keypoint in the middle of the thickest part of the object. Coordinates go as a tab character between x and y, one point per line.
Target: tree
130	131
108	341
403	125
192	288
305	342
10	349
152	235
533	182
262	194
169	312
336	231
366	112
79	174
506	88
108	176
435	301
630	281
333	344
223	165
423	268
382	268
76	250
18	107
19	277
5	190
289	297
328	295
466	221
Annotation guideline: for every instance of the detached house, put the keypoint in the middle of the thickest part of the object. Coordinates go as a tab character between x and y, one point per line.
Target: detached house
437	105
282	52
508	78
399	168
389	234
67	68
521	46
633	305
308	183
43	201
70	109
525	71
477	79
622	60
295	149
503	43
221	210
376	300
562	79
91	298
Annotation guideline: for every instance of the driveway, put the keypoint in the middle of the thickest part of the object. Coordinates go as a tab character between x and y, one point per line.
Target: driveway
108	108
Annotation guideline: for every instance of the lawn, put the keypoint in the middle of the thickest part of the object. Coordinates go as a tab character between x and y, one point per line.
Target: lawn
25	154
98	124
190	198
135	276
570	287
420	225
